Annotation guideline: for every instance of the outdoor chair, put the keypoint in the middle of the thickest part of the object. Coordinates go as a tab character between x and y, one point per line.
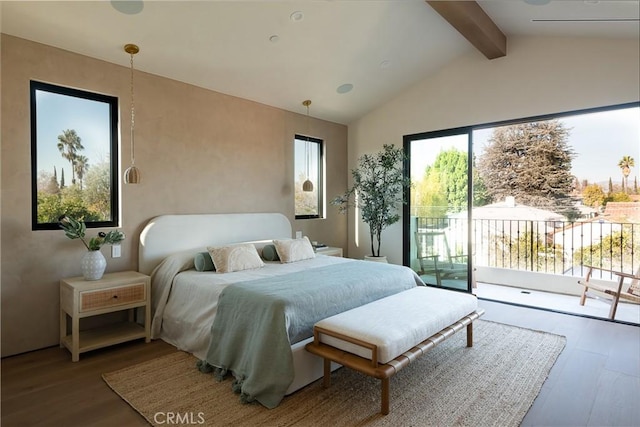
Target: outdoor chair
440	265
627	287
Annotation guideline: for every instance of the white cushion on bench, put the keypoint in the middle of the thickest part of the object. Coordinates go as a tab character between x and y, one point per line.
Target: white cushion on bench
398	322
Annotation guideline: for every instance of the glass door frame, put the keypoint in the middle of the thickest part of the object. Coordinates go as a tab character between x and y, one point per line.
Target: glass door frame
406	213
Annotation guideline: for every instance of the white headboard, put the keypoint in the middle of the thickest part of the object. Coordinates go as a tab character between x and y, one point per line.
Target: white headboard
168	234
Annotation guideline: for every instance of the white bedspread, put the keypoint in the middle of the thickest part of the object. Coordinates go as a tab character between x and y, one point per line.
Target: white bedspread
184	301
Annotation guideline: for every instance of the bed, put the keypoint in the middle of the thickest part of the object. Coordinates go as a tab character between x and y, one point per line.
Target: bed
187	310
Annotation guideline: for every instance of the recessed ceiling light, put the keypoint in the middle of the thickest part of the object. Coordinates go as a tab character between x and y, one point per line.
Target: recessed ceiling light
297	16
128	7
344	88
274	38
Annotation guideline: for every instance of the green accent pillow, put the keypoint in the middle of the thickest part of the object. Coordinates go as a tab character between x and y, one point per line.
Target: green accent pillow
269	253
203	262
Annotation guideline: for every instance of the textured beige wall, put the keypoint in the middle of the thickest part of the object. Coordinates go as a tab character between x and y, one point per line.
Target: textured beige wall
538	76
199	152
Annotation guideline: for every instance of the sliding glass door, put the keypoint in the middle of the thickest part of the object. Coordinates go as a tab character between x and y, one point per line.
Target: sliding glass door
437	217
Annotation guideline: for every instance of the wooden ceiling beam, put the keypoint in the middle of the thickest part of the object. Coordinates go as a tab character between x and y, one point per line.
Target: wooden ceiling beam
474	24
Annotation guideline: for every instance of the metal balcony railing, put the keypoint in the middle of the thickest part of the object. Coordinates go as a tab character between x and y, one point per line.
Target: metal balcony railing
554	247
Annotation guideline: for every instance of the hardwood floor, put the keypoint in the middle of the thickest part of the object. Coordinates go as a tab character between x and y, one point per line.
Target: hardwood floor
44	388
596	380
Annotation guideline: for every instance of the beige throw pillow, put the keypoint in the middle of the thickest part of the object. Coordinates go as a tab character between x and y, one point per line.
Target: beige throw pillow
243	256
292	250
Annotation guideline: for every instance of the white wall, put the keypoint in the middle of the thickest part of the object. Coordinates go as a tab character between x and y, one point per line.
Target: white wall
538	76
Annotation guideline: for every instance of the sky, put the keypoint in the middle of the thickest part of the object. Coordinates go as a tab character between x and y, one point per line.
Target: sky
56	113
599	140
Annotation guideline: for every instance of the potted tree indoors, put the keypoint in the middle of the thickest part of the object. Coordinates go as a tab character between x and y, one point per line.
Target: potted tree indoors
378	191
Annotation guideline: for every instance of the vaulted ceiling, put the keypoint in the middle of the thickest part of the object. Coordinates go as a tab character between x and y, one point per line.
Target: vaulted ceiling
282	52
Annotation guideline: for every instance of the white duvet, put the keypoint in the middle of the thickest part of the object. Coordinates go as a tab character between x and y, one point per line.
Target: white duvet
184	301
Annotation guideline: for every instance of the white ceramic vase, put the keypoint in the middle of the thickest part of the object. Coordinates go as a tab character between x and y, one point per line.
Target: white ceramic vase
93	265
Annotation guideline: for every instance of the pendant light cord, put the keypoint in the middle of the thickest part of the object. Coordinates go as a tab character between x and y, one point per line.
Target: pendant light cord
306	144
308	184
133	117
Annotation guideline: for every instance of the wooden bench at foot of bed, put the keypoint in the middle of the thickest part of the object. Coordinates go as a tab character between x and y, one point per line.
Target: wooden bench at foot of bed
380	338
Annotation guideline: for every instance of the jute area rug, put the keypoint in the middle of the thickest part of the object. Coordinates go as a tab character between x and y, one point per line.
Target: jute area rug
493	383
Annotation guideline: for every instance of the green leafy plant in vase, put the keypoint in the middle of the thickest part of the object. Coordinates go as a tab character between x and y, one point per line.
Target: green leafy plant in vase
93	263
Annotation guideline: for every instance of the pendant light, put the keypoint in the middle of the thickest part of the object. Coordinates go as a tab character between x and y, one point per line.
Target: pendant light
132	174
307	185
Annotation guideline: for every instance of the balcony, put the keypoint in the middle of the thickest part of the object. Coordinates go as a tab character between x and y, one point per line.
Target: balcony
532	263
627	312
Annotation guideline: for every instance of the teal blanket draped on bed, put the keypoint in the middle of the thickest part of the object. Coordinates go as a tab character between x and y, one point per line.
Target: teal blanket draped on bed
258	321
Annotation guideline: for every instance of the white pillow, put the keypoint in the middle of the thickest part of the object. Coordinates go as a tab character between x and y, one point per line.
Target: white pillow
292	250
243	256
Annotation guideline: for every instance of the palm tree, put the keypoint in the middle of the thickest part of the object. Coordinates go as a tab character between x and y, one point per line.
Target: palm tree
69	143
81	167
625	164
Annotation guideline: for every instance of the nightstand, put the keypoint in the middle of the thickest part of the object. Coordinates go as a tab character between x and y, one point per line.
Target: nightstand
81	298
329	250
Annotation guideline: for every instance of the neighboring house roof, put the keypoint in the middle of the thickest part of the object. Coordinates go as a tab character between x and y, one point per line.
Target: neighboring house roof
622	211
510	210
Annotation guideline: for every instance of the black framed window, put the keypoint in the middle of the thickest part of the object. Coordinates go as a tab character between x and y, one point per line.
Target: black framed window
309	194
436	236
74	156
546	194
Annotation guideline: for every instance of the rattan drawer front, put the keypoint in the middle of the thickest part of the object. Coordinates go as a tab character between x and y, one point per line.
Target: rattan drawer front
96	300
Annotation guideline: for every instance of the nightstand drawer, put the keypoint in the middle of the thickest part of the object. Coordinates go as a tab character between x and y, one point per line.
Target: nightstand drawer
112	297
